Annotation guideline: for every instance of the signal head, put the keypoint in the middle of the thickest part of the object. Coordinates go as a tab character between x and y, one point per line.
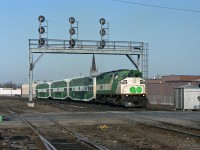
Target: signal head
72	31
102	44
72	42
41	18
71	20
41	30
102	21
41	41
102	32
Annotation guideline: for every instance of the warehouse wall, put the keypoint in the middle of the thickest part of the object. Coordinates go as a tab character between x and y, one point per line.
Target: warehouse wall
161	91
25	90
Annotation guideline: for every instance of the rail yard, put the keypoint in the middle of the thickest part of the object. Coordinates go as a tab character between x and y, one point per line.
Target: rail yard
65	103
72	125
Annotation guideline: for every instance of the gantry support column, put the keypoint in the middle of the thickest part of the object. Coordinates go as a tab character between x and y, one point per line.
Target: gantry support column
30	103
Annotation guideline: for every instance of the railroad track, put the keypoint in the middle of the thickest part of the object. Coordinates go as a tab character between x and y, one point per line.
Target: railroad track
81	142
179	118
167	126
82	105
46	143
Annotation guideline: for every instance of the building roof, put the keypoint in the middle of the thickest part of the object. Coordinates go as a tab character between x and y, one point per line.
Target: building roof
188	78
189	86
175	78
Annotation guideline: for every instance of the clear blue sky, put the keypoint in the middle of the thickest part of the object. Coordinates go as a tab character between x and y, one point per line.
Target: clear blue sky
173	36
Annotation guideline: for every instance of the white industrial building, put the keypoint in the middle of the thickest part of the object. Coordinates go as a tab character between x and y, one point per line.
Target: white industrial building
10	92
187	97
25	89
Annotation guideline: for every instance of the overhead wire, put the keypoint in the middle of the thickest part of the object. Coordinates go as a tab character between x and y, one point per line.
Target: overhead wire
158	6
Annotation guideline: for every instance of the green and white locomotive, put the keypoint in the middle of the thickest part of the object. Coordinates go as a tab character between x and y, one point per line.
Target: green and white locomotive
120	87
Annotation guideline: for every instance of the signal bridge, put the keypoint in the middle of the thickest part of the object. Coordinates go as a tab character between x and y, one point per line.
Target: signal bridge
56	46
87	47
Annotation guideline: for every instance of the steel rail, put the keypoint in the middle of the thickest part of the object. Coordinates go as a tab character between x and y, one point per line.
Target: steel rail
86	141
164	128
173	124
46	143
198	129
184	119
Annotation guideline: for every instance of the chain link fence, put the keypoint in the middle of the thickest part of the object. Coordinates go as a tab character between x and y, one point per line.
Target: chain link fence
161	99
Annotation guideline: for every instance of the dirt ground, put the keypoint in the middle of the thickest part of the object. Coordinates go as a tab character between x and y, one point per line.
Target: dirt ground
118	136
132	136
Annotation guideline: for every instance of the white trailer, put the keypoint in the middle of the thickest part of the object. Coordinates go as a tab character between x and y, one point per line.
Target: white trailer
187	97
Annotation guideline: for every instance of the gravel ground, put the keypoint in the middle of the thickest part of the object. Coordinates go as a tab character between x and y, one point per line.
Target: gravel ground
117	136
132	136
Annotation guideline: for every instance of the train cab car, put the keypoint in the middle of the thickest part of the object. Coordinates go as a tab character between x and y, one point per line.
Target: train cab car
59	89
43	90
81	89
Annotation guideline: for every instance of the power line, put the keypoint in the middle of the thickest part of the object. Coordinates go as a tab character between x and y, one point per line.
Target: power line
158	6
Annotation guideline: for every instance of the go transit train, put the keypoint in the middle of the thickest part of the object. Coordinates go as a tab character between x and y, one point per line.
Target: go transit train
121	87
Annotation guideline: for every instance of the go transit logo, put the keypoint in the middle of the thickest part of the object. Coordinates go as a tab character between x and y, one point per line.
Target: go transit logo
136	89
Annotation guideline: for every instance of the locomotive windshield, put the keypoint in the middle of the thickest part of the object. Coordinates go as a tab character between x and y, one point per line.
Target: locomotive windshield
131	73
138	74
134	74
